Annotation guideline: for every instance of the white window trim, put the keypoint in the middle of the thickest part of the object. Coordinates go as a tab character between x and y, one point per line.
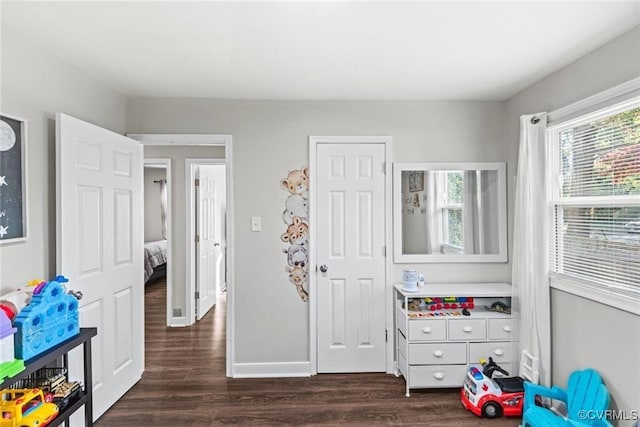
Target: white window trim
617	99
599	294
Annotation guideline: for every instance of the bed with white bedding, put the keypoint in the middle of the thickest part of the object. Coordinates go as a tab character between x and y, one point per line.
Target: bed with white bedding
155	259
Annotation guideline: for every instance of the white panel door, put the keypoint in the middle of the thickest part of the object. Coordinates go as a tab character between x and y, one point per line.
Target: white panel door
100	249
208	251
350	202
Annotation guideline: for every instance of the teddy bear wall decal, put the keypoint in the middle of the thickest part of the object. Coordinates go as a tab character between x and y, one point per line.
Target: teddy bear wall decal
296	218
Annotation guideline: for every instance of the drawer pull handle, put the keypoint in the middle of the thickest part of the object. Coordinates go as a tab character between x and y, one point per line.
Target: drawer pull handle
426	330
438	375
498	352
467	329
506	328
438	353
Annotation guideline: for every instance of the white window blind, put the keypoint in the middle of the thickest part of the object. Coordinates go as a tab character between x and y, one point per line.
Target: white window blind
595	179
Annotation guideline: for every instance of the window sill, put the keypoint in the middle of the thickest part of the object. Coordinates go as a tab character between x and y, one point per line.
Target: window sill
619	300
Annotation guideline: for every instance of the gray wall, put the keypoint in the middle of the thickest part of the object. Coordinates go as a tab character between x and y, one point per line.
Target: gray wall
586	333
152	215
269	139
36	86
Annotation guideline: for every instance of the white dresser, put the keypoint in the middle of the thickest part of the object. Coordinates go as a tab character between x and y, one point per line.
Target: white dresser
435	348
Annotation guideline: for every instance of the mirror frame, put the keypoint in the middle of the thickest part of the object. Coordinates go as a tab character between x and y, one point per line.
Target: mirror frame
399	257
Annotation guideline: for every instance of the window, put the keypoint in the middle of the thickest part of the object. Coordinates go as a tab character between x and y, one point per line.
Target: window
452	212
595	195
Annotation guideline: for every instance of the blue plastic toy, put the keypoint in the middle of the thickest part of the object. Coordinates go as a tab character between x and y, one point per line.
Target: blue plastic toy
586	400
50	318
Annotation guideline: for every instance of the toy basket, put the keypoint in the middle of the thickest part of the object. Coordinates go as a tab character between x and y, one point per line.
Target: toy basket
53	381
46	379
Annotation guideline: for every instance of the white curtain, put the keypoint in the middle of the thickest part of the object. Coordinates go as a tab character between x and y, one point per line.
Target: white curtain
433	214
471	213
530	274
163	207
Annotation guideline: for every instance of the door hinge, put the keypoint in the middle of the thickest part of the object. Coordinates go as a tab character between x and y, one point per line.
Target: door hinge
196	182
197	238
384	168
197	295
386	335
384	251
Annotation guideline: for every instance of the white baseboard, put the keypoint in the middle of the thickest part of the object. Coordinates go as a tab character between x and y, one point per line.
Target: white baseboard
271	370
178	322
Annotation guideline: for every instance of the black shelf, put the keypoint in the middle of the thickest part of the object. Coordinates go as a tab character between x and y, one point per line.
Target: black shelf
64	415
55	353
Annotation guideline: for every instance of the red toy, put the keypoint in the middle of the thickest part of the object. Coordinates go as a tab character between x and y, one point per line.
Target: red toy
492	397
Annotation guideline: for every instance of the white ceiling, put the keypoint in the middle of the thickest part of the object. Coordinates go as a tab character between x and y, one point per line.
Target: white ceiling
352	50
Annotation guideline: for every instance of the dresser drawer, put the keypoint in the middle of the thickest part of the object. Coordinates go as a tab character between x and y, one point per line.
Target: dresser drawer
403	366
427	330
500	329
467	329
436	376
402	345
438	354
401	322
499	351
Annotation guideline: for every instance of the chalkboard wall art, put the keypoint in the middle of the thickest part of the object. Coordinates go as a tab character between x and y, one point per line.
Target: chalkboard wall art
13	198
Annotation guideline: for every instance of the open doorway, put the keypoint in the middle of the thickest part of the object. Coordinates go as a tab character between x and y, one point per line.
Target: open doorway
157	225
181	148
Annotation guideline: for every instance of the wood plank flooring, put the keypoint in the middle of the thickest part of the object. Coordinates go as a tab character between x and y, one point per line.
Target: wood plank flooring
184	384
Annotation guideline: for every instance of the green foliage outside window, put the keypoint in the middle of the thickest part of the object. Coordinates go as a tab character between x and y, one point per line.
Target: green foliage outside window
454	215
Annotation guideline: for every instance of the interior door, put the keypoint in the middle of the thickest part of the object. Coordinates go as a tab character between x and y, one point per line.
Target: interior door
350	206
208	243
99	177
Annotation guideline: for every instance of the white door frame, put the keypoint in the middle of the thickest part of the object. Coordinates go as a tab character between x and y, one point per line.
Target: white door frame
190	175
226	142
313	274
166	163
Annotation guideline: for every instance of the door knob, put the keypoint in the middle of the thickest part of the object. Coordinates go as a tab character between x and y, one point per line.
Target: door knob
324	268
216	244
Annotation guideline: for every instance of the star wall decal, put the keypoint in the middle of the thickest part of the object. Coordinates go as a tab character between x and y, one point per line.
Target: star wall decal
3	181
3	231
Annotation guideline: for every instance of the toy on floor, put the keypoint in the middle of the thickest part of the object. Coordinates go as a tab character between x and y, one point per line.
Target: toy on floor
492	397
585	394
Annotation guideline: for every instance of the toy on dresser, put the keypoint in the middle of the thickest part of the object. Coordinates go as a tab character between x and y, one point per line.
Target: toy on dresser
50	318
440	306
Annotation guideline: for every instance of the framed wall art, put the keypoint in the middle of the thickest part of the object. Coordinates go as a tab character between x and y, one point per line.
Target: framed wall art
13	187
416	181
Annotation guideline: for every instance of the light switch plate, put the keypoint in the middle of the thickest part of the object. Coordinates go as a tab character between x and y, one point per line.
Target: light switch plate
256	223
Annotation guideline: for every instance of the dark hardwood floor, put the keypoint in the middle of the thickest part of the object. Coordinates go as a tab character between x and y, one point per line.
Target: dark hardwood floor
184	384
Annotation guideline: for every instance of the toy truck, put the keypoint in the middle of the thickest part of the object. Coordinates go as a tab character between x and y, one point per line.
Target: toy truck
22	407
53	381
492	397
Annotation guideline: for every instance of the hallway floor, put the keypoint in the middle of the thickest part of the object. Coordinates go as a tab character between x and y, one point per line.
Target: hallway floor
184	384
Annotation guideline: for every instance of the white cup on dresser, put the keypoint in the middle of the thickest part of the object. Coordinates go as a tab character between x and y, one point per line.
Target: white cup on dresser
410	280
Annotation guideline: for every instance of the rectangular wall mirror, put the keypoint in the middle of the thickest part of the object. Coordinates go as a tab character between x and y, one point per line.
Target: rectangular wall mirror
449	212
